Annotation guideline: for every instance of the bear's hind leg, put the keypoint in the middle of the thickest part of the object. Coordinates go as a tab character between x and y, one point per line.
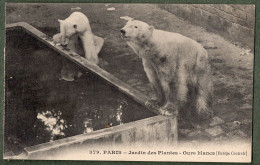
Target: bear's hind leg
98	42
182	88
204	97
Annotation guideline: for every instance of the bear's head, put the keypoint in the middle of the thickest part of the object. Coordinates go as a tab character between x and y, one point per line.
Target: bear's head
76	23
67	30
136	30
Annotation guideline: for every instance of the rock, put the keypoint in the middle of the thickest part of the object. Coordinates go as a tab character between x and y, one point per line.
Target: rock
75	8
217	130
111	9
246	122
184	131
221	139
231	125
245	52
210	45
237	134
216	121
127	18
199	135
237	122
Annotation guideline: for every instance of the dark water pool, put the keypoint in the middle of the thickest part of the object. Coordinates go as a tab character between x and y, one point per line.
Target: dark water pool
41	108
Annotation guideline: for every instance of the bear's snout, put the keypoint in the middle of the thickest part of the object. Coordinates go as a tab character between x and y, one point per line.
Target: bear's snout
123	31
64	41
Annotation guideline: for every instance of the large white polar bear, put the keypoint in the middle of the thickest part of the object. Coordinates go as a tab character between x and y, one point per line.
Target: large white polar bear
78	24
176	66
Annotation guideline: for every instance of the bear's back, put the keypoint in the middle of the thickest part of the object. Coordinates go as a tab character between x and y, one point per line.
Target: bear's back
78	17
177	42
171	37
177	46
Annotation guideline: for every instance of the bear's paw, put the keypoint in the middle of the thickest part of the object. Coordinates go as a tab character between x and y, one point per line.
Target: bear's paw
152	103
169	109
205	114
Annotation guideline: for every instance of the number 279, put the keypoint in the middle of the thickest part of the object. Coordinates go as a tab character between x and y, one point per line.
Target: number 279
94	152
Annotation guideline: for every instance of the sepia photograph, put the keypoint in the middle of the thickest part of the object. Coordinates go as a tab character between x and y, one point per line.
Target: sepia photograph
129	82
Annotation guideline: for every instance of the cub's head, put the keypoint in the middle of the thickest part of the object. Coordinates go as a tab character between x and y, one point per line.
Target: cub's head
67	30
136	30
76	23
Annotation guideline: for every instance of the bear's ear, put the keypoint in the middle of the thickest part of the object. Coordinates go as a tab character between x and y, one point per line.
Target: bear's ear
60	21
127	18
131	19
151	28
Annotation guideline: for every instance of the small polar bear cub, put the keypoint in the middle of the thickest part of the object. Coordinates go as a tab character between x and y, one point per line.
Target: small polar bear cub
175	66
78	24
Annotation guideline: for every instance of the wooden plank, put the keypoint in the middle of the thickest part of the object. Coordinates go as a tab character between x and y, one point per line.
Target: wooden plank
140	124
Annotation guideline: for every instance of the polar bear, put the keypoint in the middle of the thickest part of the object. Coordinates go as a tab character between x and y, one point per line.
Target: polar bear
78	24
175	65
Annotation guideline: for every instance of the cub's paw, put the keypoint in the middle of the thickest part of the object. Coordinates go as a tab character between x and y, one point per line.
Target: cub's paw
206	114
169	110
153	103
93	60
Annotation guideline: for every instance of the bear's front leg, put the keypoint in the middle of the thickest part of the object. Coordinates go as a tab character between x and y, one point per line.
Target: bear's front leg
171	107
154	102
